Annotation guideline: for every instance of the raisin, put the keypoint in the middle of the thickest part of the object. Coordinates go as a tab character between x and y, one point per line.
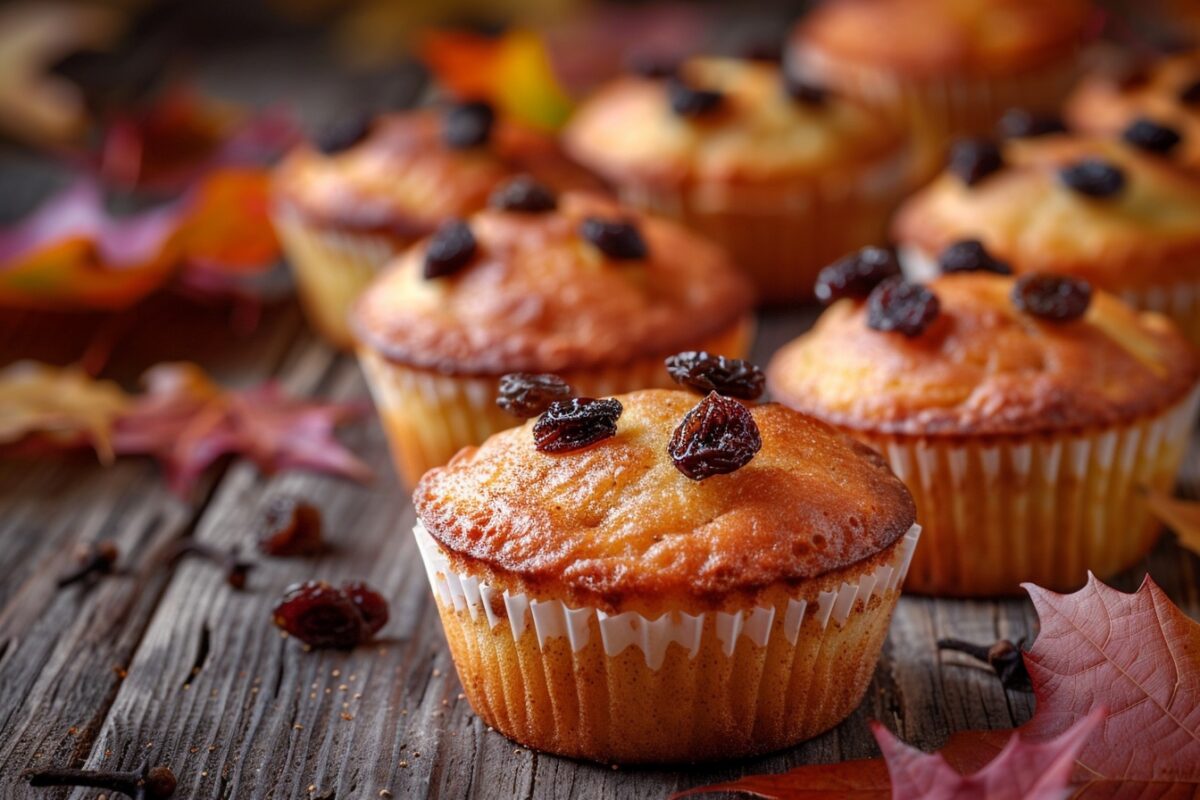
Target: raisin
716	437
907	308
1190	94
291	527
705	373
970	255
523	193
343	134
651	67
1052	297
576	423
468	125
371	605
1093	177
856	275
1148	135
1018	123
804	92
972	160
450	248
617	239
320	615
525	395
688	101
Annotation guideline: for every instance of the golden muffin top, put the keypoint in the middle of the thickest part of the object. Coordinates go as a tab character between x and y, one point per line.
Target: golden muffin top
538	295
759	129
983	367
926	38
1166	94
1141	230
403	177
616	524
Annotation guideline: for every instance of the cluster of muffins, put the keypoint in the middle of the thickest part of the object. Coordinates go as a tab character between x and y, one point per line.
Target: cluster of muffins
630	572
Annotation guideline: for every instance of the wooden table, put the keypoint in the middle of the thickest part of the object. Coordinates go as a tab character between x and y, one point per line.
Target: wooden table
177	668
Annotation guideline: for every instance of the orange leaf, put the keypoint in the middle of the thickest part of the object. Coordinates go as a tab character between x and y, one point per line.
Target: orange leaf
1181	516
227	227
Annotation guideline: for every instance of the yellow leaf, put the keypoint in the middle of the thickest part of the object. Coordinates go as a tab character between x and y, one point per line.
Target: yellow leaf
65	406
1181	516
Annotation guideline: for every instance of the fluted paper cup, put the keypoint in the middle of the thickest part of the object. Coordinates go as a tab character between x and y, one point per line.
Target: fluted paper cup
429	416
687	685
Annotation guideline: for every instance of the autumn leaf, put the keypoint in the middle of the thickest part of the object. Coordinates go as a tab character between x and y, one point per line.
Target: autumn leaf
1135	654
512	71
59	407
188	422
1181	516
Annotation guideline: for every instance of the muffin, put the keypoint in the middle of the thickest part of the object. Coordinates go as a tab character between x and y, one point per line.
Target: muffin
1157	107
1027	415
945	66
784	174
348	202
601	604
1124	218
574	285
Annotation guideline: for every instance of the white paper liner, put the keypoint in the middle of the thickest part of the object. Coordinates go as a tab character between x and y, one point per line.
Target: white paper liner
554	619
1179	300
1092	480
782	237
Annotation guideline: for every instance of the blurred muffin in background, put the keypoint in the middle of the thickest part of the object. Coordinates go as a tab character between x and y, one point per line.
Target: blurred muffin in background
1122	216
1027	416
784	174
365	189
1156	106
572	285
948	67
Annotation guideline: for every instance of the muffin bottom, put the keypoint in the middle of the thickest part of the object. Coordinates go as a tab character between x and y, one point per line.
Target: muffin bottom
682	687
332	267
1044	510
428	416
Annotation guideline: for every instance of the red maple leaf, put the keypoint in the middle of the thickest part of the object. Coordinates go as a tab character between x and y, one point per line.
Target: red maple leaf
1135	654
187	422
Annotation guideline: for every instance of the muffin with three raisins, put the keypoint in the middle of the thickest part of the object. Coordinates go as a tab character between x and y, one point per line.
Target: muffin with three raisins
945	67
660	577
1125	218
786	175
359	194
1156	107
1027	415
574	285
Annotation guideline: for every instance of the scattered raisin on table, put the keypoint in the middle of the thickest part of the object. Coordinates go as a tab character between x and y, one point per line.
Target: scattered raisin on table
688	101
856	275
616	238
451	248
969	255
704	372
716	437
803	91
1057	298
524	194
291	526
972	160
1148	135
467	125
321	615
526	395
1093	177
342	134
1190	94
903	307
576	423
1020	123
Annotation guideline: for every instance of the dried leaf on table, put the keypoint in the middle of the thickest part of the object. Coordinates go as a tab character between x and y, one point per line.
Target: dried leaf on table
1136	655
1181	516
188	422
59	407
